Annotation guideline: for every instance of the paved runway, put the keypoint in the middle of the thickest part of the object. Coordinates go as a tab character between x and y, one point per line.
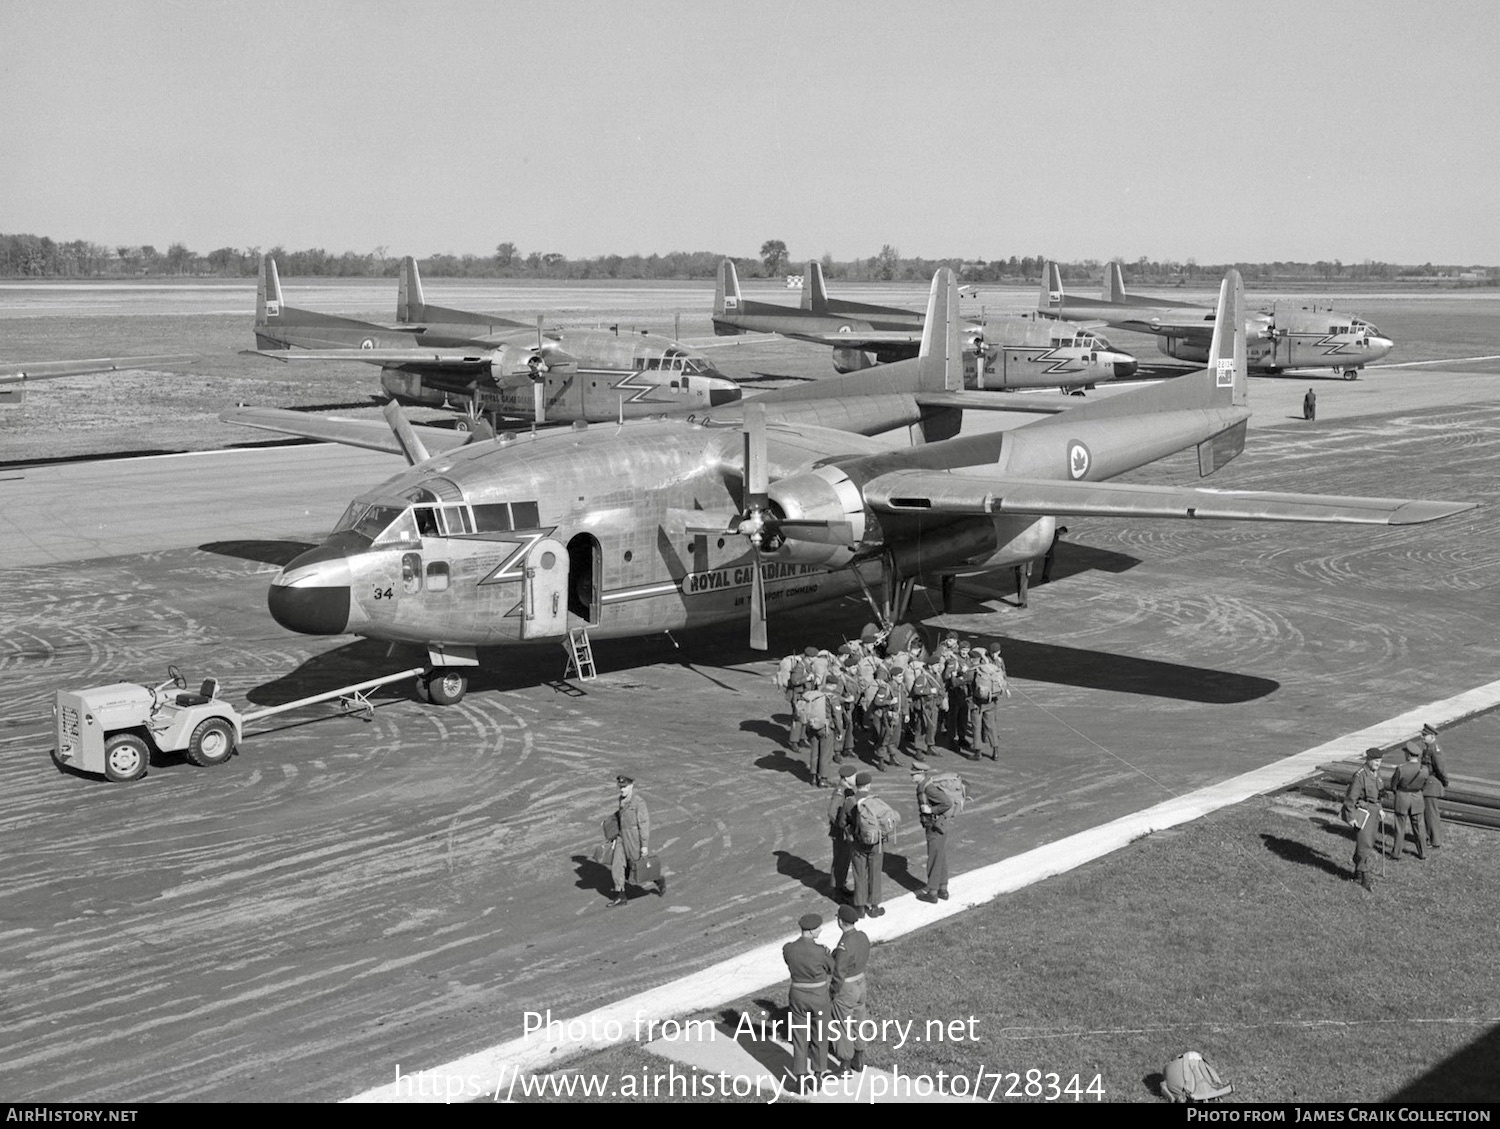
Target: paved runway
345	897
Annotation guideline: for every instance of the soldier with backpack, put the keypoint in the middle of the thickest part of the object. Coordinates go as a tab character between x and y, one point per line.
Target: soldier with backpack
870	821
957	671
839	833
926	693
940	796
794	675
882	709
986	687
818	713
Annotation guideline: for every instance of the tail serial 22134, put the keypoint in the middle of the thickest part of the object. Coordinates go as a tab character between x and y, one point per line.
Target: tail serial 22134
769	504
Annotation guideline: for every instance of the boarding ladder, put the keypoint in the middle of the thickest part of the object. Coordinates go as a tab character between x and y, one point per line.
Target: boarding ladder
580	655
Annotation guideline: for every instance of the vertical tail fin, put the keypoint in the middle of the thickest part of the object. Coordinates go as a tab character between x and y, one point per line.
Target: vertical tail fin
727	293
411	303
1226	353
1114	283
267	293
814	293
941	360
1050	299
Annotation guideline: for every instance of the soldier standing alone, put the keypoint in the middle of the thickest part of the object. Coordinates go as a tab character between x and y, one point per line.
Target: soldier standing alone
850	959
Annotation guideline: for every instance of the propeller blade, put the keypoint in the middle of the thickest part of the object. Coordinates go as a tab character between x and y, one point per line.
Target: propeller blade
756	481
757	610
411	446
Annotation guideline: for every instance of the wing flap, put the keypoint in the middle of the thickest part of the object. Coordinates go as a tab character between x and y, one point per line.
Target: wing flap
1035	403
971	492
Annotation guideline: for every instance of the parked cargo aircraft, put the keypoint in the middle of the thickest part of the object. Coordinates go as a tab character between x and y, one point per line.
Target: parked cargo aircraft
14	376
1017	352
493	365
776	503
1287	336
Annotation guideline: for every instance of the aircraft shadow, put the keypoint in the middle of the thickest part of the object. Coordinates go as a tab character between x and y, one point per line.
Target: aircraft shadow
1127	674
352	663
280	553
1293	851
1467	1076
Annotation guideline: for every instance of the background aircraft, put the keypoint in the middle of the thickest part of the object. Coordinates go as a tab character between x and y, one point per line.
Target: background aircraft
492	365
1018	353
664	524
16	375
1288	336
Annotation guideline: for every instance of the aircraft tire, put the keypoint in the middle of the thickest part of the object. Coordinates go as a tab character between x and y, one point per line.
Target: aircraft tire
212	743
901	637
126	758
446	687
1351	374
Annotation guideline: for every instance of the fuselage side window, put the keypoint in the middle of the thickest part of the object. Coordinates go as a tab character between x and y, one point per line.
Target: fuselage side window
525	515
493	517
411	573
437	576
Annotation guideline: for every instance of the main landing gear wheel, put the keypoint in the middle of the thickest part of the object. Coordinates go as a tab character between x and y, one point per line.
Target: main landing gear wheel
1351	374
445	687
212	743
125	757
906	637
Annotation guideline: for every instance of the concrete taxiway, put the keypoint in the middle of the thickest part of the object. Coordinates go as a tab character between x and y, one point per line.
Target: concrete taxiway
346	898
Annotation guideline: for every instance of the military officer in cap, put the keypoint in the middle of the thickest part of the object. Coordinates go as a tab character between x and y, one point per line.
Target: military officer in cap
1362	812
808	1004
850	959
838	832
1436	786
631	823
1407	783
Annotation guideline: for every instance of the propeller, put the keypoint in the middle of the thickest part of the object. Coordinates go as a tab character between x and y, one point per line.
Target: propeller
762	526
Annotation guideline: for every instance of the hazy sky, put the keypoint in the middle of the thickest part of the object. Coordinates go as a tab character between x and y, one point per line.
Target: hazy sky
1217	131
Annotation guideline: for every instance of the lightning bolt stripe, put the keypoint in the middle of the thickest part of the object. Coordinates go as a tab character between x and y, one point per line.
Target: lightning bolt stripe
641	390
510	568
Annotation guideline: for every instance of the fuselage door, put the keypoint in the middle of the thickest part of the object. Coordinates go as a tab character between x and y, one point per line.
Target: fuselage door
544	591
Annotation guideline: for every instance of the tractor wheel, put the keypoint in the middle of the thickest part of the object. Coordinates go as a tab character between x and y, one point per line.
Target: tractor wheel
212	743
446	687
125	757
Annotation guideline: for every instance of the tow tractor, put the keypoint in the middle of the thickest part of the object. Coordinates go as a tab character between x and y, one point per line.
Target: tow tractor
112	729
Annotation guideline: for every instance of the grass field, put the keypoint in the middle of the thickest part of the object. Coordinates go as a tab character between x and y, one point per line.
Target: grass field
1237	936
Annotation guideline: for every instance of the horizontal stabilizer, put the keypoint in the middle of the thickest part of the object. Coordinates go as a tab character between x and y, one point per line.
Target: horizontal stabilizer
972	492
1037	403
373	435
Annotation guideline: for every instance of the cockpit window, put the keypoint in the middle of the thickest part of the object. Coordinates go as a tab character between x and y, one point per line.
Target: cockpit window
375	522
351	516
501	517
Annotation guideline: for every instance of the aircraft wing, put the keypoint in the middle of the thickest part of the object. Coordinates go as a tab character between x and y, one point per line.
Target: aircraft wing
973	491
862	339
51	370
373	435
431	358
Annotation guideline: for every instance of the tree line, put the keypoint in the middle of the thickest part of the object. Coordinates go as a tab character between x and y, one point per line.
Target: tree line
33	256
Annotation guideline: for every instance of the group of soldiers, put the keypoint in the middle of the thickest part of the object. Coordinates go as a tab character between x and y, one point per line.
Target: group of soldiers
905	700
1415	785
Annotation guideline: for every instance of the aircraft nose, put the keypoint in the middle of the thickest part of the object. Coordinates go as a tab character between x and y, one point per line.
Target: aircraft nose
1381	346
311	595
1125	367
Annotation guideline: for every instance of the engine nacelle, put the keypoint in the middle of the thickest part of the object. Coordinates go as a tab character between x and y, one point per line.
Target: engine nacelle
1183	349
851	360
1018	539
409	386
826	495
509	361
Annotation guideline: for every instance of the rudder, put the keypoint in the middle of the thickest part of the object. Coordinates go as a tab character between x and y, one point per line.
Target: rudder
1051	299
1114	283
411	303
814	293
727	292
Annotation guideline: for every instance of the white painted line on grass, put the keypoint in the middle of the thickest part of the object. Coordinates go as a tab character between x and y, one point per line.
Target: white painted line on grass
484	1073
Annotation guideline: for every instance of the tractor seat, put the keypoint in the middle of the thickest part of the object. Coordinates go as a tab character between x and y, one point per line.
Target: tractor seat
206	693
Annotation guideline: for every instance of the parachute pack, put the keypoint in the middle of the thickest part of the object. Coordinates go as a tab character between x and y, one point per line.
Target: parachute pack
874	820
946	789
812	710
